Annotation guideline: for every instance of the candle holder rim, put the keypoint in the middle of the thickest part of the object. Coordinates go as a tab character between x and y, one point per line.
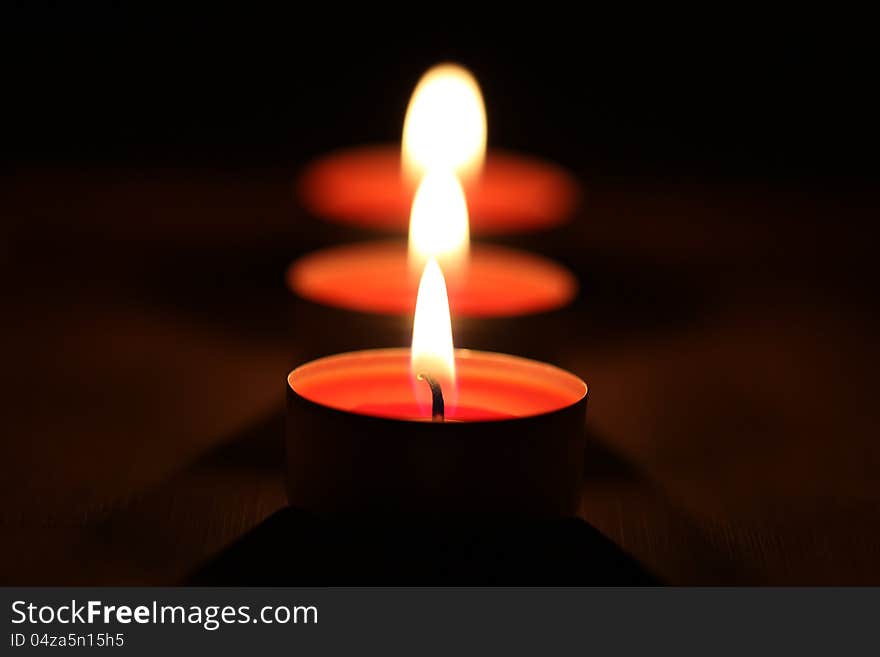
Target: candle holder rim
581	399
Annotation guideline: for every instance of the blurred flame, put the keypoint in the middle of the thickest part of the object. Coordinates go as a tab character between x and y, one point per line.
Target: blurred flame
438	224
445	125
432	350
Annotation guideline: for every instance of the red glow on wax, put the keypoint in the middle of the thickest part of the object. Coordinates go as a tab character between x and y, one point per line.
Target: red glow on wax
375	277
491	386
365	187
412	411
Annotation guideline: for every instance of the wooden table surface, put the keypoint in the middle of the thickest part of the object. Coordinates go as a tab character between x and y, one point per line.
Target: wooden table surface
727	331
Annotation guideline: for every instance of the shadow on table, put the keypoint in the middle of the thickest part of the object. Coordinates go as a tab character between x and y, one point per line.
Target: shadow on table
296	548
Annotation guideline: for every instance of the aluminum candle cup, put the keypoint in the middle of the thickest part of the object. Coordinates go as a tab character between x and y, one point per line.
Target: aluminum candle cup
358	440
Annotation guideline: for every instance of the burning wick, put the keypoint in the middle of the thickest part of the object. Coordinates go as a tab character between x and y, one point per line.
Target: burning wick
438	407
432	357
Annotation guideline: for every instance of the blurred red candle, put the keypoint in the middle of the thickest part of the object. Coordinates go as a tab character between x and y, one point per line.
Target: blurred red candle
364	432
483	280
445	127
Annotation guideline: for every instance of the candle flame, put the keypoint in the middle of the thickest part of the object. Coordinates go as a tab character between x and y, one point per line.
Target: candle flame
432	350
438	224
445	125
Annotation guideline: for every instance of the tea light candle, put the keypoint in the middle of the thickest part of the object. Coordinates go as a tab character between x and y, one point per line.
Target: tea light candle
382	276
433	429
374	277
445	127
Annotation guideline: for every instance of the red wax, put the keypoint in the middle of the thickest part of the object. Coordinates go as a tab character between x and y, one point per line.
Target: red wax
412	411
364	186
375	277
491	386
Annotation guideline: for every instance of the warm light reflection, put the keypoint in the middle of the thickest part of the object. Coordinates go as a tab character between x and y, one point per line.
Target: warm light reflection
445	125
438	224
432	350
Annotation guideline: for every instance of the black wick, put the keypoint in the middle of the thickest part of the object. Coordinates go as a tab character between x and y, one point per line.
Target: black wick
438	407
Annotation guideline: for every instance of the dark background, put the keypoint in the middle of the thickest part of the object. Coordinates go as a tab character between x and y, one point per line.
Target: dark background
730	94
725	249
